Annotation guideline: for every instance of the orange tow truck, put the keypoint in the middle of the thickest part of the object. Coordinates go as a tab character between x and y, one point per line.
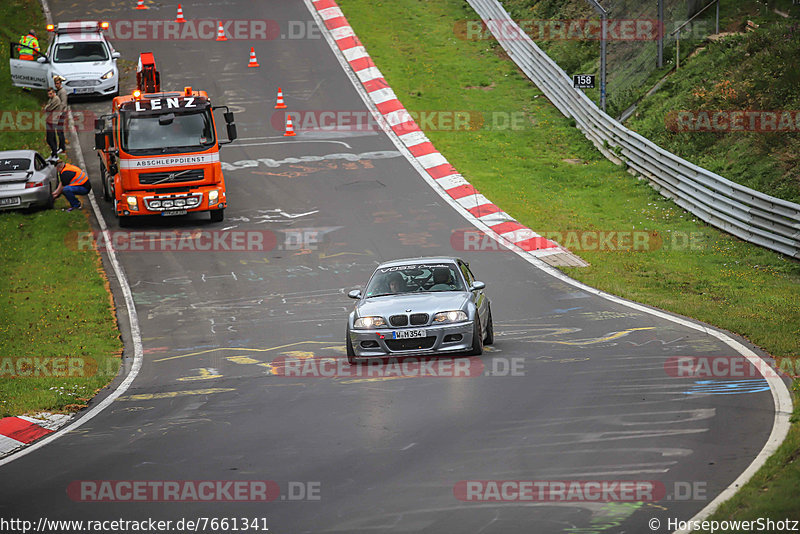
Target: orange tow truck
159	151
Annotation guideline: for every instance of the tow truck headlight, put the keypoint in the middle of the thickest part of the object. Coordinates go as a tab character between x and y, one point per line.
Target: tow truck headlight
213	197
132	204
167	203
180	203
455	316
369	322
107	75
155	203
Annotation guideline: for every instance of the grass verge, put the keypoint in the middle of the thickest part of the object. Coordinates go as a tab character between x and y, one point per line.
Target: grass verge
550	178
60	343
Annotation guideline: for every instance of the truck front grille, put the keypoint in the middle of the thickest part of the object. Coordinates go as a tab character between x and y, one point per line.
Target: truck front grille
183	175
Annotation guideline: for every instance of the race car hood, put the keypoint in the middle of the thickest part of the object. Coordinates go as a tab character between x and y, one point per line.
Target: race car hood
429	303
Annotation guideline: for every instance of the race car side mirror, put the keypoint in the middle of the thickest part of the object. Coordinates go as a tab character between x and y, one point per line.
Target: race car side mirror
355	294
477	286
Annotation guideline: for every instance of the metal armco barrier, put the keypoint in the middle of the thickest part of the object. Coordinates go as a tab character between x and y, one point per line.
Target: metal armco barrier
750	215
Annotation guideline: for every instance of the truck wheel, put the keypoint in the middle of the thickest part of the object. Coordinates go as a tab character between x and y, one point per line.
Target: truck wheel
218	215
104	179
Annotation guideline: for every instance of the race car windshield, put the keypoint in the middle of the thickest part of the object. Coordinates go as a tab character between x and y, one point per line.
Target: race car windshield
186	132
414	278
80	52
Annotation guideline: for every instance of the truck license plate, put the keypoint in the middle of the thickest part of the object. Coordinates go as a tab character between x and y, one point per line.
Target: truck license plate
169	213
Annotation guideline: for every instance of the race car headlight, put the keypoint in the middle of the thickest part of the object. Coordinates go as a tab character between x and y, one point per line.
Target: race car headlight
369	322
107	75
450	317
213	197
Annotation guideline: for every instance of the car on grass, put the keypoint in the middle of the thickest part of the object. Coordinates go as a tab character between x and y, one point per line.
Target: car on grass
419	306
79	52
26	180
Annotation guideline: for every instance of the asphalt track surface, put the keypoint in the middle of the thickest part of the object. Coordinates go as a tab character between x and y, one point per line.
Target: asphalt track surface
593	400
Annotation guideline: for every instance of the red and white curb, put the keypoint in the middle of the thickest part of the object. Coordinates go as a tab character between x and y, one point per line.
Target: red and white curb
16	432
509	231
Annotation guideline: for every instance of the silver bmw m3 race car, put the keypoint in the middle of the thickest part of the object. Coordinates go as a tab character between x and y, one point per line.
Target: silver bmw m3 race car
419	306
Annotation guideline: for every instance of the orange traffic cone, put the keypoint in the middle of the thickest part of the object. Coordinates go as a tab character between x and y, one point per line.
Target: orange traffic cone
180	15
289	127
279	104
221	33
140	5
253	60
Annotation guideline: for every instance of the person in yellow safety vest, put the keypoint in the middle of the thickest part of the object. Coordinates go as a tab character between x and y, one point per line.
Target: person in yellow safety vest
28	43
72	181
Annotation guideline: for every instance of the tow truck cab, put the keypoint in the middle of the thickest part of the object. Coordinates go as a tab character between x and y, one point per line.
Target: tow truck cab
159	154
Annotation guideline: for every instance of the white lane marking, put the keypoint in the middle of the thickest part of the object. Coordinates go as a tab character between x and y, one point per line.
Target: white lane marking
357	52
9	444
472	201
383	95
133	318
414	138
340	33
408	447
496	218
454	180
296	141
369	74
330	13
781	398
434	159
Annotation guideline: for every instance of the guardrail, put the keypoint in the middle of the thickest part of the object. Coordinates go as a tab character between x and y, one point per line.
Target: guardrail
750	215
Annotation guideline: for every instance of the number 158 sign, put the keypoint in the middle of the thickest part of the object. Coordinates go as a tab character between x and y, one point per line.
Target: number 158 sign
583	81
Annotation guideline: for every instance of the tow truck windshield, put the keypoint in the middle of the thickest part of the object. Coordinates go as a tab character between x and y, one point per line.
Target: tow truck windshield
157	134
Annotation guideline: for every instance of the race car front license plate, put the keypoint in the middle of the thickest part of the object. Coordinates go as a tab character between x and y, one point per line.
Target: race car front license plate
407	334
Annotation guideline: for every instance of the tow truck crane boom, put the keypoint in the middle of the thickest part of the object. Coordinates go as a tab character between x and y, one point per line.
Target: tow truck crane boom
148	80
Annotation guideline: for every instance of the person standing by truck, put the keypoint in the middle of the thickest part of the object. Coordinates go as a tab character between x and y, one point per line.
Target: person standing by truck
72	181
62	119
28	43
52	112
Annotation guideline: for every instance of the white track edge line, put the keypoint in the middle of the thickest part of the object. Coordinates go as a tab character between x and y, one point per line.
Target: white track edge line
133	318
780	394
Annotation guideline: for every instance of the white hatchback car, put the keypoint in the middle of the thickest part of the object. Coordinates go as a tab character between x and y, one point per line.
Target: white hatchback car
78	51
